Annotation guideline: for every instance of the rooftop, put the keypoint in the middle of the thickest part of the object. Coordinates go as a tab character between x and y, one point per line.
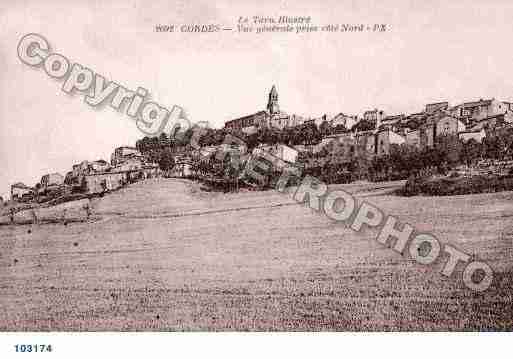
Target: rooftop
481	102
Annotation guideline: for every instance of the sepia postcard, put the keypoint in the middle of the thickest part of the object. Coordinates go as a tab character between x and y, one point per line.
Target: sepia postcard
261	166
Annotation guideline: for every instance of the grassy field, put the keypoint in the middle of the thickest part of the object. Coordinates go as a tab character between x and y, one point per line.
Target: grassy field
164	255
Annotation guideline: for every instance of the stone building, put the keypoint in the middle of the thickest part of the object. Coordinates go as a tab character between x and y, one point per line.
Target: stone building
375	116
384	140
413	138
248	124
394	123
21	192
117	177
432	108
279	151
489	123
449	125
124	153
50	182
470	112
99	166
277	118
476	135
272	116
102	182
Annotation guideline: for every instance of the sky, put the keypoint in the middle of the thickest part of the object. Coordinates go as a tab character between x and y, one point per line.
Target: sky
433	51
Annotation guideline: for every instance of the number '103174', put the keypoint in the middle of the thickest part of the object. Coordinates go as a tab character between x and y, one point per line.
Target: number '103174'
33	348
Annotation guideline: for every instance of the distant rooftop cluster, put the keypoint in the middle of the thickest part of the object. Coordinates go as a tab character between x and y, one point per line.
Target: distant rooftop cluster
470	113
374	131
88	177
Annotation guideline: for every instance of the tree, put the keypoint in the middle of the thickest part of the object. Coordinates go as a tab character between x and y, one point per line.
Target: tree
325	128
450	147
164	141
309	134
166	160
364	125
471	151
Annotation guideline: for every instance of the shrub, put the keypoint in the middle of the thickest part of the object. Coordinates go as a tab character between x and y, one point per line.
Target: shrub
456	186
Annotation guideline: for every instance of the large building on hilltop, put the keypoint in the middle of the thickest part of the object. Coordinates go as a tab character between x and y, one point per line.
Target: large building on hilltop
272	116
248	124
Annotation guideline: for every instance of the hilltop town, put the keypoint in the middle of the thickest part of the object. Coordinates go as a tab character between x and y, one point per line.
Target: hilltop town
470	138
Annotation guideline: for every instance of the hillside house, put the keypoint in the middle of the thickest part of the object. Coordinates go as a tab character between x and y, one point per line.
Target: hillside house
248	124
394	123
449	125
476	135
73	178
385	139
99	166
182	168
415	120
123	154
51	181
489	123
296	120
280	151
413	138
21	192
432	108
70	179
470	112
341	119
280	121
374	115
119	176
130	164
102	182
80	168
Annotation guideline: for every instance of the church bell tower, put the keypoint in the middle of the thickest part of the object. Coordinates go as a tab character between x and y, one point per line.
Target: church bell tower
272	104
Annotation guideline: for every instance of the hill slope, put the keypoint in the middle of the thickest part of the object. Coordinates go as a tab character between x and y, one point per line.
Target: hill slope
163	255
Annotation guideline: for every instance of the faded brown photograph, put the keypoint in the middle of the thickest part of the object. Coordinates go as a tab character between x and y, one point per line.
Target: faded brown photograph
256	166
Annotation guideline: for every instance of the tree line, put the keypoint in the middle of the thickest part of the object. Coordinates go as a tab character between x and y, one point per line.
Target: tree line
401	162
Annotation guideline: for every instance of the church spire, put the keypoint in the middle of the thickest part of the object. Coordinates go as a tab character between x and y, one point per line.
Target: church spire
272	104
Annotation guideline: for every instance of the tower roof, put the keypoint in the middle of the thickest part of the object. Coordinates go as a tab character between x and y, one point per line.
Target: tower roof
272	103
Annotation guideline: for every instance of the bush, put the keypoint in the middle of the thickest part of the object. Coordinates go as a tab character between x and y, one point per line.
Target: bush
457	186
